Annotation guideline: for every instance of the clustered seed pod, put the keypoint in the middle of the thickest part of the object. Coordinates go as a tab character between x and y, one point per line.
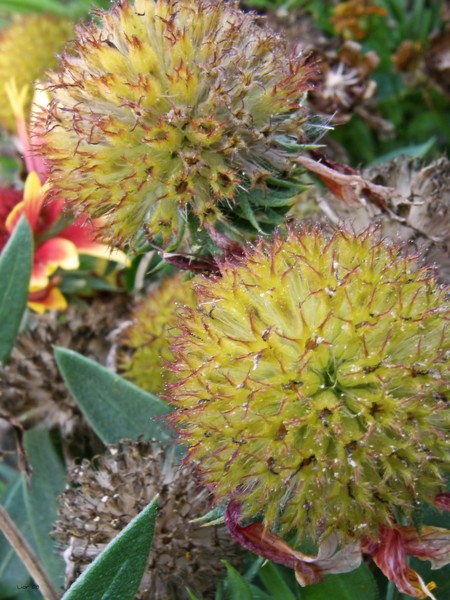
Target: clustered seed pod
345	83
173	110
114	488
145	345
351	18
31	388
312	384
23	59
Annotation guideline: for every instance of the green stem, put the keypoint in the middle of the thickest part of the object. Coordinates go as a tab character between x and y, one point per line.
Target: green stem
392	591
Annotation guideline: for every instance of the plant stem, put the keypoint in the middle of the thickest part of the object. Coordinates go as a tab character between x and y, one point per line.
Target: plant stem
27	555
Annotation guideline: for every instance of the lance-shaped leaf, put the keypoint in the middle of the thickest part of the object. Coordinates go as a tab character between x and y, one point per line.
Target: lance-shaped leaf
118	570
114	407
15	271
236	586
344	586
273	580
47	482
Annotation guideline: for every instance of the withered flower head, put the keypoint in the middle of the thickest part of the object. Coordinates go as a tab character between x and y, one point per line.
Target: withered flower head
418	211
31	388
312	381
145	346
352	18
28	47
171	110
345	82
114	488
437	60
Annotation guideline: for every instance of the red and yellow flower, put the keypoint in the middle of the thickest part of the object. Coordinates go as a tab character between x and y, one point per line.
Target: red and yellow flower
57	245
58	242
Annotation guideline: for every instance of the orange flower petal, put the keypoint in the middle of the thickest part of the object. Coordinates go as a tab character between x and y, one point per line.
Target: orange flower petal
54	253
13	218
33	197
82	234
40	276
49	299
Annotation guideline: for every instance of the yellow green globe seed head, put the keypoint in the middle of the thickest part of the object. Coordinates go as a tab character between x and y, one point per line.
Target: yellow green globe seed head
312	383
146	342
28	47
168	108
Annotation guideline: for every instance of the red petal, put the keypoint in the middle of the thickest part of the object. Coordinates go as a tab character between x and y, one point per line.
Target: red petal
54	208
432	544
389	553
40	276
8	200
54	253
31	205
82	233
33	197
442	501
13	218
308	568
49	299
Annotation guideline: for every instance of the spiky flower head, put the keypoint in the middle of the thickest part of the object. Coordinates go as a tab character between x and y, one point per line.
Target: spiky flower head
113	488
28	47
145	346
312	383
172	110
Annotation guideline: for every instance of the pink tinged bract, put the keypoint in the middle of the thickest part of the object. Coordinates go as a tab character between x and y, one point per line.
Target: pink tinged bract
442	501
390	552
308	569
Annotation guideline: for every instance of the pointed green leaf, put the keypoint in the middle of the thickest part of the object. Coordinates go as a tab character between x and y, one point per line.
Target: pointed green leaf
15	271
414	151
236	586
345	586
244	204
114	407
47	482
117	572
258	594
274	582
